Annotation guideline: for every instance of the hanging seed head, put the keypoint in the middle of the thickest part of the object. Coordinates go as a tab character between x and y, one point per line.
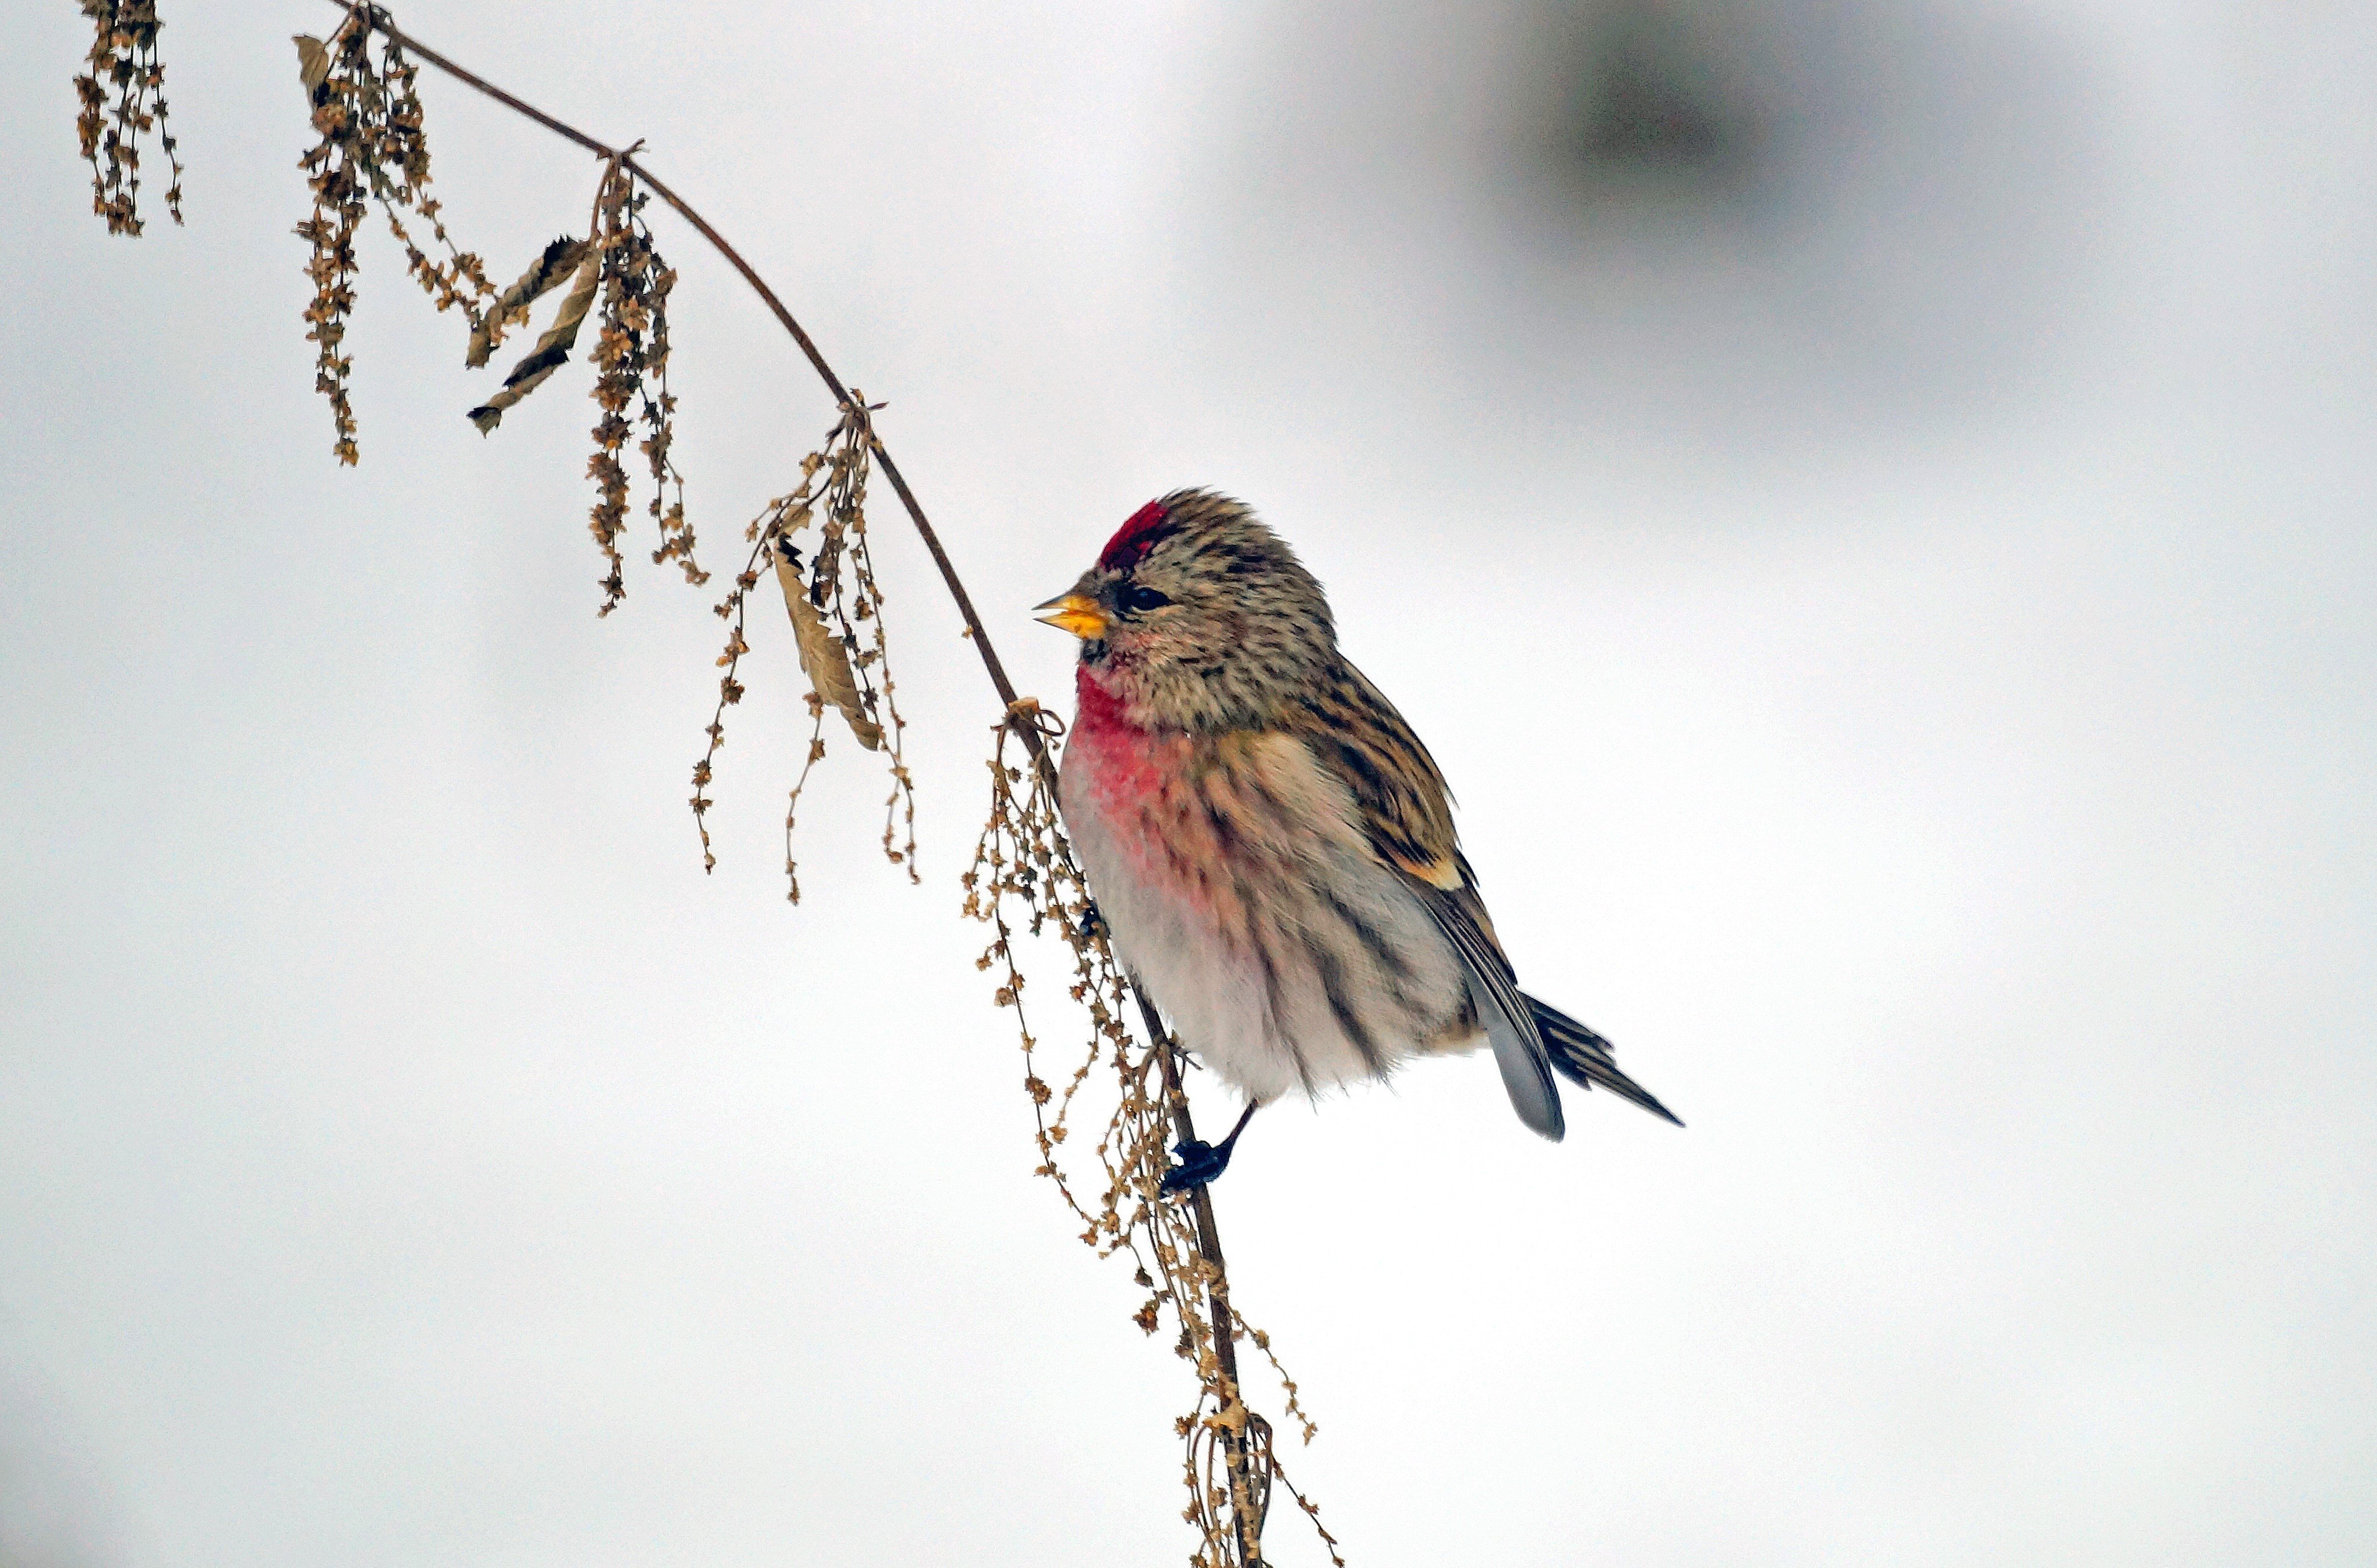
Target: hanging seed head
1026	883
371	147
835	608
121	98
631	357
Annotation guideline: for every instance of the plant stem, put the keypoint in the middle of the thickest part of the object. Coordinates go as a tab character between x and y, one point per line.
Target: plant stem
1209	1240
375	16
1217	1299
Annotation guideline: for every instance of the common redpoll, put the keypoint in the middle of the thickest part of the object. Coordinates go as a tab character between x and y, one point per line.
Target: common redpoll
1269	844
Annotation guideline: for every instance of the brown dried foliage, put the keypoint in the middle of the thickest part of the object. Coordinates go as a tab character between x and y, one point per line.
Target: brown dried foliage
1026	882
631	357
372	148
122	99
836	607
1024	874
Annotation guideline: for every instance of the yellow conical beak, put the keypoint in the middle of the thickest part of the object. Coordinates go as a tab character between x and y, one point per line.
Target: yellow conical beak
1076	613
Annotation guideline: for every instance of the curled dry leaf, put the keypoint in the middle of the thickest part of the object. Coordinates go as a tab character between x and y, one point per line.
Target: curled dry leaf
313	62
551	351
823	659
837	591
557	261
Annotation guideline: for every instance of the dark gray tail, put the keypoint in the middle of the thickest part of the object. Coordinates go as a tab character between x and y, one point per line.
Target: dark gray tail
1584	1057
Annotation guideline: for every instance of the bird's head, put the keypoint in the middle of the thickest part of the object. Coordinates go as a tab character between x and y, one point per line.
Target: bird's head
1197	617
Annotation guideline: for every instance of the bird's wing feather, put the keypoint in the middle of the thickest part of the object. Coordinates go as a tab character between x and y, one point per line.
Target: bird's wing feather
1406	813
1510	1024
1406	810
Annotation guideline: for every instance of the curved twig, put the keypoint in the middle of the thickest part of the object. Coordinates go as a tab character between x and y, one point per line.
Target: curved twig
1209	1241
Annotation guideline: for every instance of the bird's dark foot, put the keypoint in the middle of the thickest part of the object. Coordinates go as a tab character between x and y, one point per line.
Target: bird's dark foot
1199	1163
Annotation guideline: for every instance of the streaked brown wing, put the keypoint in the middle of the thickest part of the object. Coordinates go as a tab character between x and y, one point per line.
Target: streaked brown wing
1405	808
1406	812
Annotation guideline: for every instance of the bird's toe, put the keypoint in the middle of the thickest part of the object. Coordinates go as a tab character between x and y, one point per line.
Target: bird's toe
1199	1163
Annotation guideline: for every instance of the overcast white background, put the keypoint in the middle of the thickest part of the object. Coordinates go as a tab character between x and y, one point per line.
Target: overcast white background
1893	597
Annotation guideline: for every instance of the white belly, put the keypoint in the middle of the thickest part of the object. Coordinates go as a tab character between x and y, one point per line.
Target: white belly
1293	960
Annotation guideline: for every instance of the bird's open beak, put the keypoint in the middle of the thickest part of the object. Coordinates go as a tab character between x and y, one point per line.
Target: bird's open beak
1076	613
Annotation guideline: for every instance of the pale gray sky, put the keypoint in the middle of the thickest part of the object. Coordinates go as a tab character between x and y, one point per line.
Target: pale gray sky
1892	593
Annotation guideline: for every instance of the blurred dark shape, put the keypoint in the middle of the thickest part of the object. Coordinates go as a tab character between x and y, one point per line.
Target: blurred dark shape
1830	213
1648	94
1743	223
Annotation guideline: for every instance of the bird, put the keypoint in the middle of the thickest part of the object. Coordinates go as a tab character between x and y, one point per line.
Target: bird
1269	846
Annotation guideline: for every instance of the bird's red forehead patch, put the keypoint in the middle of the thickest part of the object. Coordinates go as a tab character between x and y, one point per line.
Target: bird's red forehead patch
1135	538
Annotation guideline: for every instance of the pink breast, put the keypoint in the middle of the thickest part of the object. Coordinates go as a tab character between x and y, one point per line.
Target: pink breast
1143	784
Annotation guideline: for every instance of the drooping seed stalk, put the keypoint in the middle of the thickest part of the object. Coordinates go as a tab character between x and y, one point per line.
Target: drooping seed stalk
1246	1513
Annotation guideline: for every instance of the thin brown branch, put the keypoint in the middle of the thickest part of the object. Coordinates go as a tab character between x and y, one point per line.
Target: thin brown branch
1236	1441
377	17
1209	1242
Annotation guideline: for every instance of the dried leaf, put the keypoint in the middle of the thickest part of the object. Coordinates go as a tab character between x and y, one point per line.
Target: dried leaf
558	261
823	659
313	62
552	349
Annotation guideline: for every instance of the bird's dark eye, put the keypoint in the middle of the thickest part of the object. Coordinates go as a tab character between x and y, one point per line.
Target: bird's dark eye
1142	599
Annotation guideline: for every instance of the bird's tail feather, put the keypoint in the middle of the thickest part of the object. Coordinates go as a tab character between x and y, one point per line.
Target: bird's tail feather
1584	1057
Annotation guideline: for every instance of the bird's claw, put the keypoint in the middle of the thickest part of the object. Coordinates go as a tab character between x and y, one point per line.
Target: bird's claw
1199	1163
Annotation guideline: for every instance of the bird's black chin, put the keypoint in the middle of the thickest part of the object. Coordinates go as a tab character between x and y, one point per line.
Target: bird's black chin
1093	652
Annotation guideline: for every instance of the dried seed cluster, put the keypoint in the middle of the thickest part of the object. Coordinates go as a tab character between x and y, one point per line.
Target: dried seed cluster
123	99
1025	874
631	357
372	148
836	609
617	275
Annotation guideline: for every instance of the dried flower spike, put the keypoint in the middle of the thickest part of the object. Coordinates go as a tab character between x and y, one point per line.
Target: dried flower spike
631	356
121	98
1026	883
1025	877
372	147
835	607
